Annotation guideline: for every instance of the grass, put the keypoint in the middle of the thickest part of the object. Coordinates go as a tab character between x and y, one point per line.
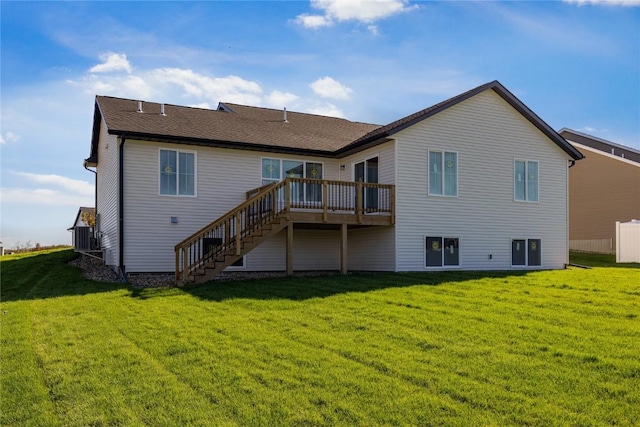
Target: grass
462	348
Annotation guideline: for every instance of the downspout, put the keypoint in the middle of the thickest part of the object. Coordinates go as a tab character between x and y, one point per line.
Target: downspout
95	190
121	207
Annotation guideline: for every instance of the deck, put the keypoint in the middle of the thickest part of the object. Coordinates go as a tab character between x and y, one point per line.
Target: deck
298	202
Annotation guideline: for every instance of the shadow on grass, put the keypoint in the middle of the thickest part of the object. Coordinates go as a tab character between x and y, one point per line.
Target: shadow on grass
300	288
46	274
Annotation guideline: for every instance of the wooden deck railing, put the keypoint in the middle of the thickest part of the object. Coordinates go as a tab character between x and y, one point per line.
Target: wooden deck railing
276	200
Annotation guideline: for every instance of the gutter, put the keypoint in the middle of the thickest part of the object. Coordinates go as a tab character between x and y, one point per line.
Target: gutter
121	266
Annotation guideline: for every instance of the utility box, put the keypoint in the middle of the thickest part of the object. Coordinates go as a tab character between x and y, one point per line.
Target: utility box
628	241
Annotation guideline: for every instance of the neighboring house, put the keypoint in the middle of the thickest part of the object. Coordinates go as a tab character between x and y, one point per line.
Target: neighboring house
476	182
604	188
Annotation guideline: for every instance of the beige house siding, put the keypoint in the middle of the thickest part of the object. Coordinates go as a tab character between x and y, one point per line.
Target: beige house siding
488	135
603	189
107	201
312	250
372	249
223	177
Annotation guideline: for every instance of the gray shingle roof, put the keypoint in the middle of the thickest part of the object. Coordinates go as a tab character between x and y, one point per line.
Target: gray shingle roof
241	126
230	124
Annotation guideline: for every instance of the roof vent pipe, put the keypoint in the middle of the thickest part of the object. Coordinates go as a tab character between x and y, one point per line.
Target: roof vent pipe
162	110
139	106
285	115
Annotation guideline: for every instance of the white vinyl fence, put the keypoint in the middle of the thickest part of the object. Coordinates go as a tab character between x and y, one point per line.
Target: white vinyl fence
628	241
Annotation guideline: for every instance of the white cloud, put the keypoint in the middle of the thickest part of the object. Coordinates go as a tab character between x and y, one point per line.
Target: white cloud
112	62
364	11
327	87
8	137
76	186
204	105
313	21
605	2
326	109
230	88
43	196
129	86
279	99
592	130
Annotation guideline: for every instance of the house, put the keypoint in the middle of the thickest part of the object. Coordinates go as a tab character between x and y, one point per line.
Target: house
476	182
83	237
604	188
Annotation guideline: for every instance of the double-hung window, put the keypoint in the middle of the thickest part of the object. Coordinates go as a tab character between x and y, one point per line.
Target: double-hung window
526	180
442	251
177	173
443	173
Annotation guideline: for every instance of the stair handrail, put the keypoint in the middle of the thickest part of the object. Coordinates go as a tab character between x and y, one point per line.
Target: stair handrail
269	193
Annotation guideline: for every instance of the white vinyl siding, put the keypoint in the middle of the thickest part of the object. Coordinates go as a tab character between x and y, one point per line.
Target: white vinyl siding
372	248
488	134
107	190
224	176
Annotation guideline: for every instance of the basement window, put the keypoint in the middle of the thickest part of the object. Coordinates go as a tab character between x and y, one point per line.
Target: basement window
442	252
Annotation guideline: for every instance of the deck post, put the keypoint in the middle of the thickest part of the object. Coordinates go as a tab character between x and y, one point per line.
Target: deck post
177	271
325	199
343	248
185	265
290	249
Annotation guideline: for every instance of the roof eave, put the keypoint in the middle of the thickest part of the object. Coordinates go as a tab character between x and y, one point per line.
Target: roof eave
499	89
220	143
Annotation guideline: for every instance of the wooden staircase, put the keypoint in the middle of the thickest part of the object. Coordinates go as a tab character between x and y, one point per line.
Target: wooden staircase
215	247
274	207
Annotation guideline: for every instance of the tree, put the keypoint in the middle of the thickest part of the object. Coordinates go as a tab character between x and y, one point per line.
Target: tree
88	218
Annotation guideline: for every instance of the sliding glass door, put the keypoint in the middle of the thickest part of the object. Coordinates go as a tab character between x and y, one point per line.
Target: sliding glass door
367	171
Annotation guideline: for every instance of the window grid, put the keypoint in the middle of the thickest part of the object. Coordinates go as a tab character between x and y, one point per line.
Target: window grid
177	173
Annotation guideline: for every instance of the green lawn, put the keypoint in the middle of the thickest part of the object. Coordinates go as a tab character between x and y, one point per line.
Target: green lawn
462	349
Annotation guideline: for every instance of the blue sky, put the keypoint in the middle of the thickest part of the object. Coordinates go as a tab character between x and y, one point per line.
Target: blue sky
575	63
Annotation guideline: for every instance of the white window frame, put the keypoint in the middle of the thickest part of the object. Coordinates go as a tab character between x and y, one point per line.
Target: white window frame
526	181
281	160
526	253
363	160
304	173
442	237
195	173
442	174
